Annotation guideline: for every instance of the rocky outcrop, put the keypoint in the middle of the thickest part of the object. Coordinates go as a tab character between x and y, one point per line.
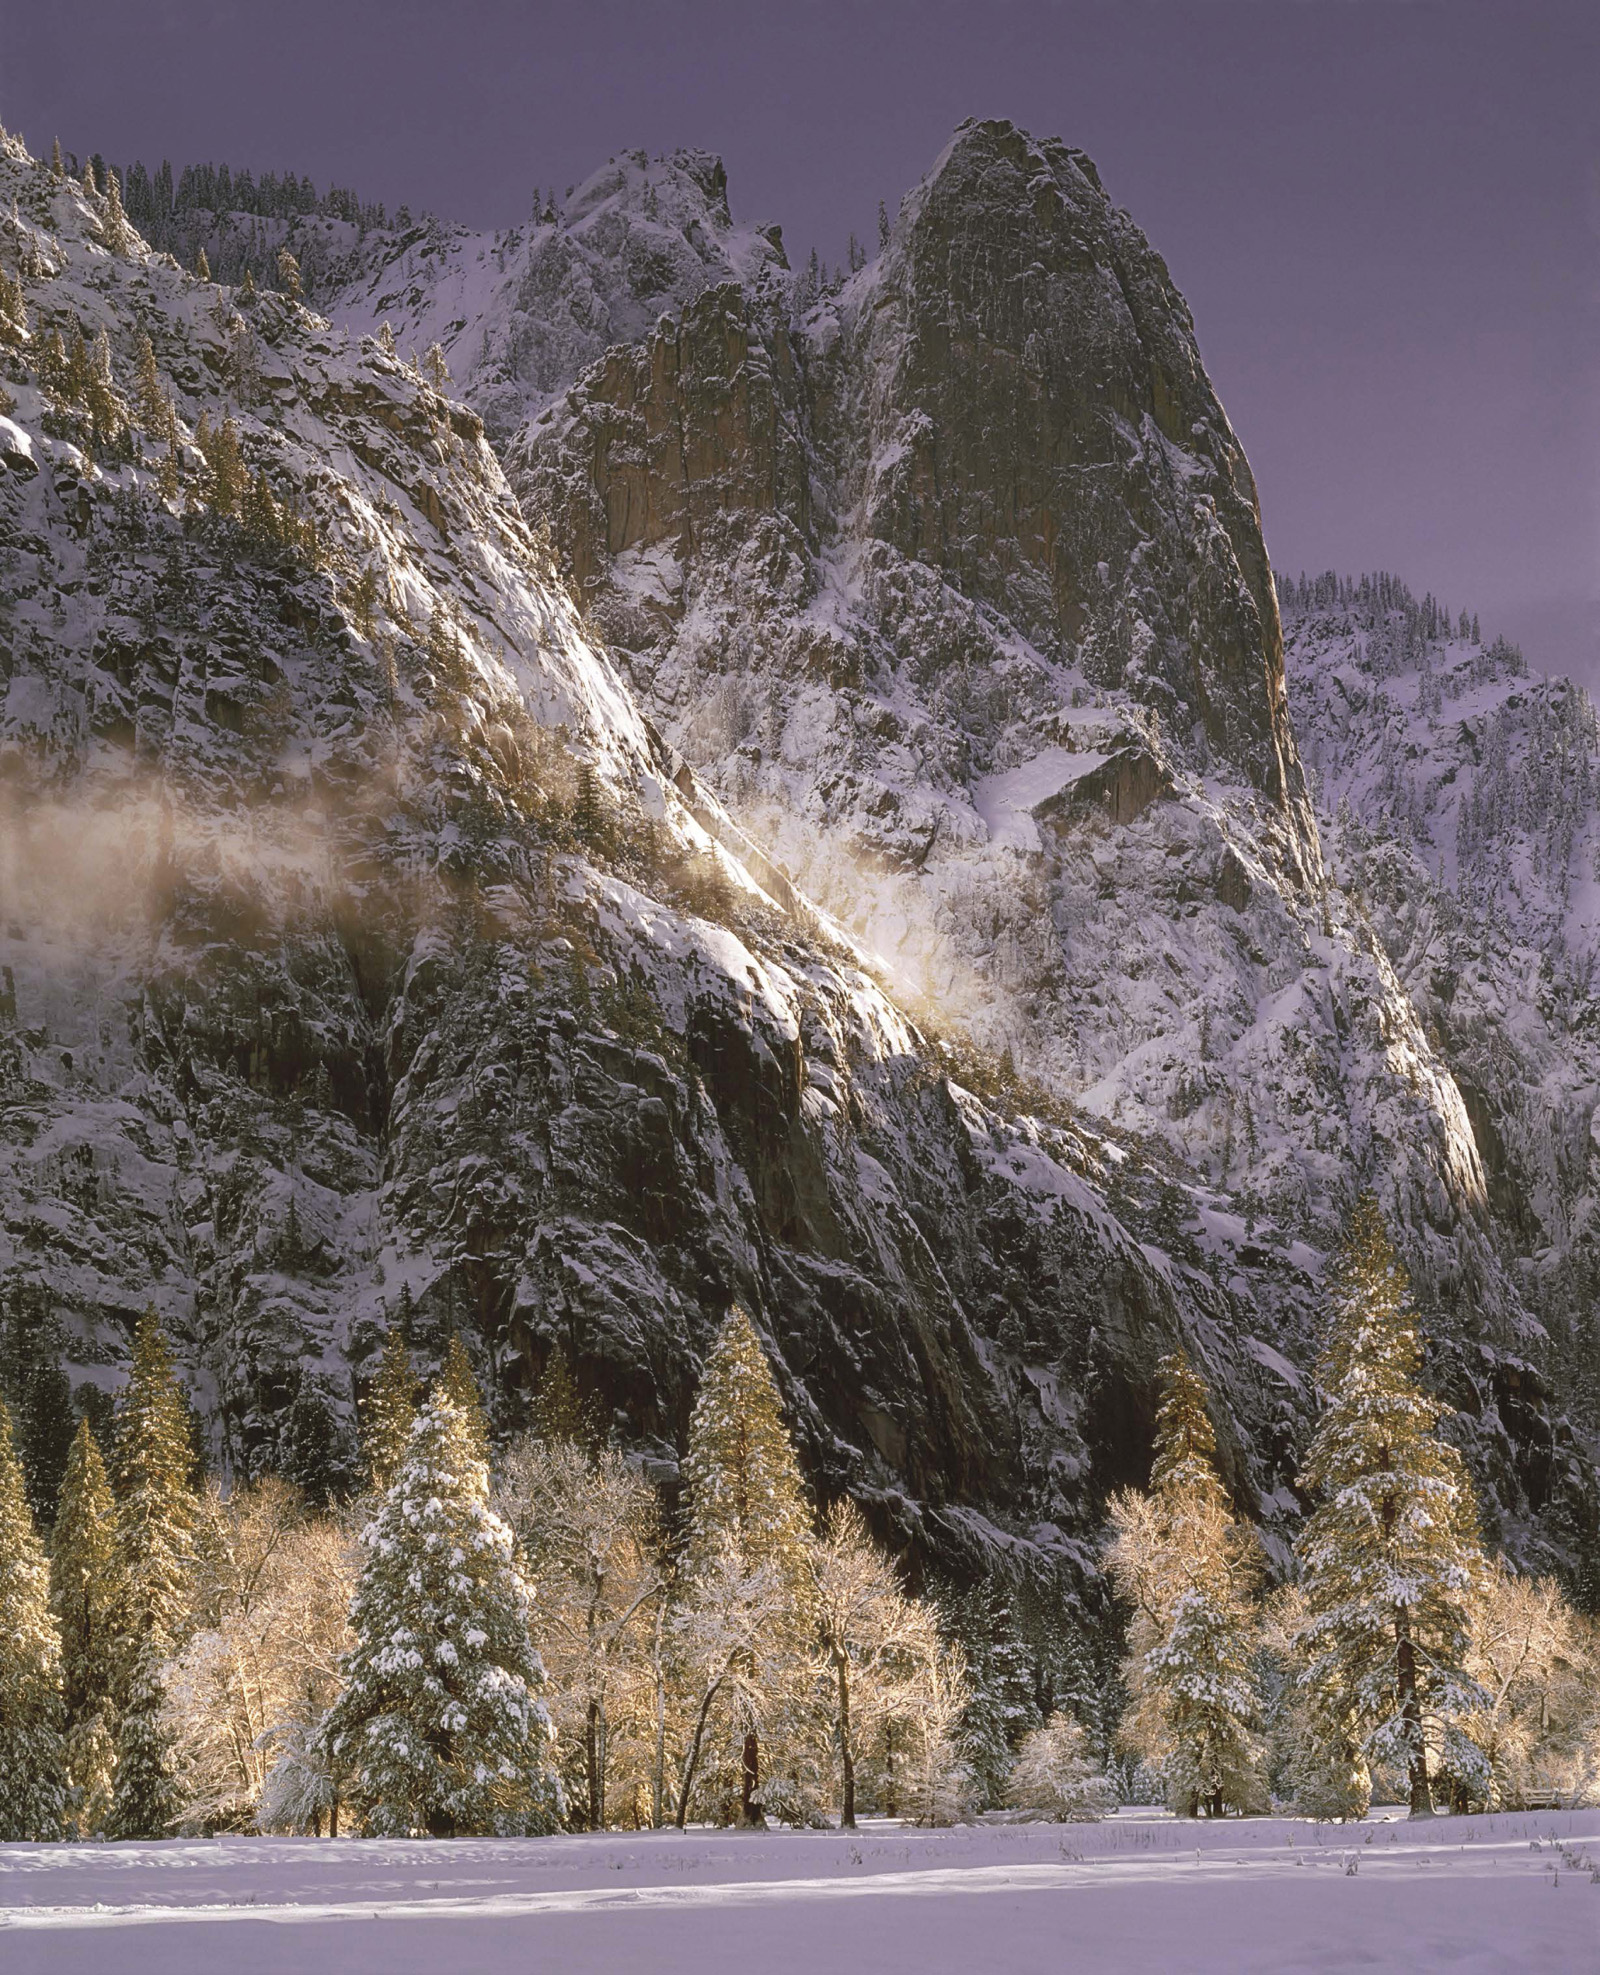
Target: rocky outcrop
333	996
373	957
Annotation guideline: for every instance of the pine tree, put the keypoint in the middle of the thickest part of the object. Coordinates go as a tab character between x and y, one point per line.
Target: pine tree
1390	1560
114	228
1003	1703
590	823
83	1592
361	600
1186	1567
741	1479
32	1754
561	1414
262	521
156	415
390	1411
169	475
436	368
202	267
57	168
440	1723
13	312
155	1525
45	1425
1184	1464
459	1384
226	478
883	226
743	1492
288	274
89	188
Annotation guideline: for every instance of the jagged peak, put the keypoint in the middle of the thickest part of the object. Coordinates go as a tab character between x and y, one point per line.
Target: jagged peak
680	186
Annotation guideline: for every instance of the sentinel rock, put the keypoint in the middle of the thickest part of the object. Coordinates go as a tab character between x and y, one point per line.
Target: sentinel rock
435	956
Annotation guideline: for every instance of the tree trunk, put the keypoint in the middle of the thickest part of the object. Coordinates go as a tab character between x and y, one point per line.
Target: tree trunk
658	1781
591	1757
749	1781
847	1814
1411	1714
692	1760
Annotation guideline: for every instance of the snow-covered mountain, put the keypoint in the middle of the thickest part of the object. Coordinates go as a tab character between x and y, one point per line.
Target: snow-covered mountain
392	940
1461	796
367	958
951	582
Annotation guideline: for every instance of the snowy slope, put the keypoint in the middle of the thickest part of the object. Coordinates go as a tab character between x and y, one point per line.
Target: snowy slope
1461	792
519	313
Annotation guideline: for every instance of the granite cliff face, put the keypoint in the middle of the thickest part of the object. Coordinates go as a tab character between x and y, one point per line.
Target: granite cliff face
366	959
1461	789
954	585
951	581
391	941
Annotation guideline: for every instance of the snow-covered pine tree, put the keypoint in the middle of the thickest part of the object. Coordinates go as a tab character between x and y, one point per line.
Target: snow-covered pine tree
743	1493
155	1528
1183	1467
155	412
32	1752
1390	1560
390	1411
114	228
83	1593
1002	1704
1202	1679
1187	1568
459	1384
440	1725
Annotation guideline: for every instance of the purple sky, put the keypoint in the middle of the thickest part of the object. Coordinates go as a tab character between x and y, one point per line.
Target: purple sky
1385	216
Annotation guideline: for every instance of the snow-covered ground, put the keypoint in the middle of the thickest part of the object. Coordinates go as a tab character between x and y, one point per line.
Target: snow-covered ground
1512	1892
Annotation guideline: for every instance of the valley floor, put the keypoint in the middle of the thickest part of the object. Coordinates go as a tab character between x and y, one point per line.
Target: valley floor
1138	1892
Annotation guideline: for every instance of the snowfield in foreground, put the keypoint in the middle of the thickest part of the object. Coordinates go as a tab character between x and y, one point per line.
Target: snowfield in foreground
1511	1892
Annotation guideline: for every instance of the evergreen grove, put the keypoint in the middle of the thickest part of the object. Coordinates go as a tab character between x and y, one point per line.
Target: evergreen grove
529	1638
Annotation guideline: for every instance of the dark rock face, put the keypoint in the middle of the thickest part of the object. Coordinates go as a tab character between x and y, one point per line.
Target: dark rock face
359	1006
952	581
1038	426
1011	397
329	1002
